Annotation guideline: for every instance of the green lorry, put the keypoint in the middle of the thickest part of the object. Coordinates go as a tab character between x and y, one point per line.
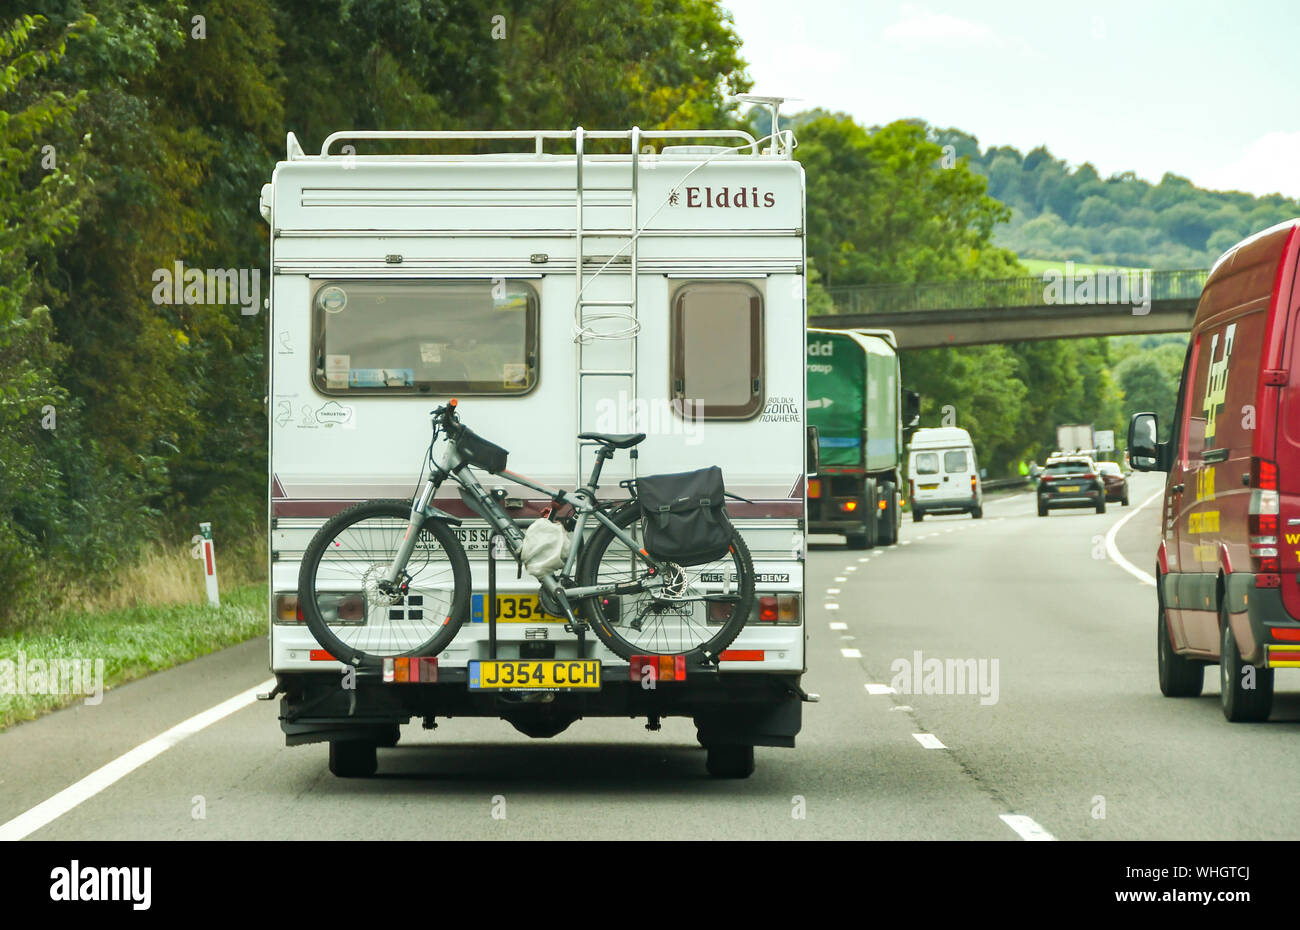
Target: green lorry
861	414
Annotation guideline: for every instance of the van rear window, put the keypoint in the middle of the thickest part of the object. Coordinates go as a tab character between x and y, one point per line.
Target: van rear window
954	462
429	337
927	463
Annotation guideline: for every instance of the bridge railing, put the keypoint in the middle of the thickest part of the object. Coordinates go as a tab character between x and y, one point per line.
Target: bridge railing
1099	287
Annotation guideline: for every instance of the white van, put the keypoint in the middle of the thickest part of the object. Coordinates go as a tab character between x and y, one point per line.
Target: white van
555	286
943	473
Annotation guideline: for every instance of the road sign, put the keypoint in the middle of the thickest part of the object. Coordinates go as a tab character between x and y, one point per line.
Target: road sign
1105	439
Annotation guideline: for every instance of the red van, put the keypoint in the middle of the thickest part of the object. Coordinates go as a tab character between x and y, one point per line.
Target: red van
1228	590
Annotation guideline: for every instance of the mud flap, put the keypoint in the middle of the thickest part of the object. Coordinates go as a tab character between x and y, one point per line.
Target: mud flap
752	724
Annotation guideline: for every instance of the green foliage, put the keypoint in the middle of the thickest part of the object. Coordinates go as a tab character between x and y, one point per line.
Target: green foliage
1062	213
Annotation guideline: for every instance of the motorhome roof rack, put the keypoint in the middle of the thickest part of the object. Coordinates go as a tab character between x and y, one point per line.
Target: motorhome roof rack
539	137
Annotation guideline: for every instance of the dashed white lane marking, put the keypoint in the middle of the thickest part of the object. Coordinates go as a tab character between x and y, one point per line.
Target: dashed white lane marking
948	530
865	558
851	653
832	606
873	688
1027	827
906	542
832	590
901	707
929	741
1112	550
850	568
841	578
839	626
54	807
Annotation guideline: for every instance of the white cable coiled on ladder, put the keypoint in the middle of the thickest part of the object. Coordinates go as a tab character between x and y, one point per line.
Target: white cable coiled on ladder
583	332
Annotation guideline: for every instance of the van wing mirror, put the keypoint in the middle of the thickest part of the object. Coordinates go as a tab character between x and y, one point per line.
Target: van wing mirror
911	410
813	452
1145	453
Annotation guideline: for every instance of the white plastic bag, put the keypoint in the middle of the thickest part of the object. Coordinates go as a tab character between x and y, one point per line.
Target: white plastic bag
545	548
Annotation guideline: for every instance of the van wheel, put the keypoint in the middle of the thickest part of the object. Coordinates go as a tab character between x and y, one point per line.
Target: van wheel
917	516
1179	675
856	541
1242	704
730	761
353	759
977	513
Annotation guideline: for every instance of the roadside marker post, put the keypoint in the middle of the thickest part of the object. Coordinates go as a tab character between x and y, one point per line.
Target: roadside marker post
209	564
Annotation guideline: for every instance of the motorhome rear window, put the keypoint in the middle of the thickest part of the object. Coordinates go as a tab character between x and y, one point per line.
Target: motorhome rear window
717	350
954	462
927	463
425	337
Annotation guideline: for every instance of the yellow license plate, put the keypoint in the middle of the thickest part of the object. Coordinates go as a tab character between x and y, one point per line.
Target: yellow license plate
929	487
1068	487
534	674
512	608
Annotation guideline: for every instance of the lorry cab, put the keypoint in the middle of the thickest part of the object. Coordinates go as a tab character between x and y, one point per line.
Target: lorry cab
1230	547
943	473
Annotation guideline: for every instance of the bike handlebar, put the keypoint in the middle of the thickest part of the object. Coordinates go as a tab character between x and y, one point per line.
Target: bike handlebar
446	416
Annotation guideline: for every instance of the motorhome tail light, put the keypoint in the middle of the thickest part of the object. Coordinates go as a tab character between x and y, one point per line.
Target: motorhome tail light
287	609
720	611
883	505
1262	522
411	670
1290	634
657	668
767	610
776	608
848	506
787	608
814	487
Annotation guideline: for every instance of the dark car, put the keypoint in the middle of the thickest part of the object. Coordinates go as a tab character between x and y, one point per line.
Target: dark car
1116	482
1070	481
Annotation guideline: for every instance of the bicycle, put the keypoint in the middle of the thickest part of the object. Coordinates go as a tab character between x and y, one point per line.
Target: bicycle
389	578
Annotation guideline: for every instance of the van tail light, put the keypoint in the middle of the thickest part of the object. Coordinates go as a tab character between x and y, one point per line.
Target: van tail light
814	487
777	608
287	608
1262	522
972	485
657	668
848	506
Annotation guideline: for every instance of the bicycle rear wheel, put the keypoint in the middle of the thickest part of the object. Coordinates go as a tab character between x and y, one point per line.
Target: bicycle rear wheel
698	613
346	606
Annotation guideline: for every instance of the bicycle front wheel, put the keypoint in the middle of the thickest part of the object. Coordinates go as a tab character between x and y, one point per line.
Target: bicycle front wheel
357	618
697	611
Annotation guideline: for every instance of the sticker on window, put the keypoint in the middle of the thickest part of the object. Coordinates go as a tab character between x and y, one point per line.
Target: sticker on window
381	377
431	353
514	374
510	300
336	370
333	299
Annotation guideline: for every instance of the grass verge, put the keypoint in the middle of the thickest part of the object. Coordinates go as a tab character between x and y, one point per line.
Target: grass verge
130	641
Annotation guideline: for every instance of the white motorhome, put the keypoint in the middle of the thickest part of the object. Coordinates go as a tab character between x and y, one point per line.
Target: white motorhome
943	473
555	282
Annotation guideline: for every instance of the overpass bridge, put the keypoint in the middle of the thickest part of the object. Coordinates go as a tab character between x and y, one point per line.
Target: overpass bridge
974	312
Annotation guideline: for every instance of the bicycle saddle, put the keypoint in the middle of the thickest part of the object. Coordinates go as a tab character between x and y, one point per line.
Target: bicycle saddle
614	440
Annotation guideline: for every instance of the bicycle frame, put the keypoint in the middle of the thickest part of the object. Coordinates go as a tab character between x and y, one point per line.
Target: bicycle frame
450	464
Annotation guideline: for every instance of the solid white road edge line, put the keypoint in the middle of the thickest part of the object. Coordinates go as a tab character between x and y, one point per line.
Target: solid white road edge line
52	808
1027	827
851	653
929	741
1116	556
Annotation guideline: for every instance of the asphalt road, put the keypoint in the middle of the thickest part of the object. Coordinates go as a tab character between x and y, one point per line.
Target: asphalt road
1074	742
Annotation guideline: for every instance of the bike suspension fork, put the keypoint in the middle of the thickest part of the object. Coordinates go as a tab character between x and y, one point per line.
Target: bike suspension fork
413	527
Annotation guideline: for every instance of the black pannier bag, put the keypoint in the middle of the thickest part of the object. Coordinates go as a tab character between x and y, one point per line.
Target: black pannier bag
685	517
480	453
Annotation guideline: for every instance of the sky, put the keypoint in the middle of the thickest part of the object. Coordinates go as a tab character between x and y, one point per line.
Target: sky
1209	91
